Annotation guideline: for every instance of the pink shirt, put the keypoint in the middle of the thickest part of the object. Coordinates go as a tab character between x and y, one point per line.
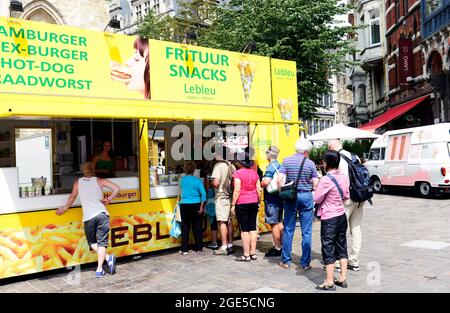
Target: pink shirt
248	178
327	195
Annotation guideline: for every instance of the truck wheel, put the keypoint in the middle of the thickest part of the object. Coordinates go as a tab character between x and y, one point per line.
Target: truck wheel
377	186
425	190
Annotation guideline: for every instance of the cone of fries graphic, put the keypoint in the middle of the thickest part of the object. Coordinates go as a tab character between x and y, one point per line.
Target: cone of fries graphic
247	71
286	107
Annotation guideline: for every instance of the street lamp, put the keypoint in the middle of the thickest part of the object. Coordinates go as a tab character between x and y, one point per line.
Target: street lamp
16	6
190	35
249	47
114	23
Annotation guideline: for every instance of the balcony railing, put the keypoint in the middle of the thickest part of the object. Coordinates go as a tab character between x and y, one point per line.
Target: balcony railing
436	21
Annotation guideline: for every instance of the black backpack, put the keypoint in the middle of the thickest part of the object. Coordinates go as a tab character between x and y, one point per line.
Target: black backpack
358	174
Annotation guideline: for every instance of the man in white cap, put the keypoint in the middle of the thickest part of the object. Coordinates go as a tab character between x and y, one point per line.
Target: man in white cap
303	206
272	202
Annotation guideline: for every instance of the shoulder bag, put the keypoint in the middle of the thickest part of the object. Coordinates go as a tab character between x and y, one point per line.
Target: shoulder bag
272	187
289	192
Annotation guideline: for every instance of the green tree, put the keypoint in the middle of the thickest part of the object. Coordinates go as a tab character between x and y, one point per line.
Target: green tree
191	22
304	31
156	27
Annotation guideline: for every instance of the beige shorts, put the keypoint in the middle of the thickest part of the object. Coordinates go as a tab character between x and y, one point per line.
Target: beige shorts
223	209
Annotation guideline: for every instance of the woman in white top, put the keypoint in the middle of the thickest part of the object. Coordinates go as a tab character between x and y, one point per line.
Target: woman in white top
95	214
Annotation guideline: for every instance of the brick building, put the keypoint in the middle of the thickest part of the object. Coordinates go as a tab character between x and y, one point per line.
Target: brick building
435	17
410	98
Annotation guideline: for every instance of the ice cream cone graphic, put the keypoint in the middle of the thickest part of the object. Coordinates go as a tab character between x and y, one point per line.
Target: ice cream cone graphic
247	72
286	108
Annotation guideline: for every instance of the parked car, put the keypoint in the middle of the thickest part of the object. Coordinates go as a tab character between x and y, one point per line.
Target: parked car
414	157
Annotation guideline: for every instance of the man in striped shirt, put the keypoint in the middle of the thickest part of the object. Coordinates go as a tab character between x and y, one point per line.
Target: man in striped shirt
304	204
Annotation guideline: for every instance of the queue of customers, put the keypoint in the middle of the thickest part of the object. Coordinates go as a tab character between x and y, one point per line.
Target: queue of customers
235	189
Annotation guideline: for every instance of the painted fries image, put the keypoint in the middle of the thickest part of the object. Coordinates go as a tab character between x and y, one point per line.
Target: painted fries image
41	248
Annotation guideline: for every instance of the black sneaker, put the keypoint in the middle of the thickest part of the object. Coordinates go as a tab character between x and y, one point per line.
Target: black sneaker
353	268
273	252
230	250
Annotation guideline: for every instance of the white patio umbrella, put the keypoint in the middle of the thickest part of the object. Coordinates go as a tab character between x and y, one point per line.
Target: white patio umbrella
340	131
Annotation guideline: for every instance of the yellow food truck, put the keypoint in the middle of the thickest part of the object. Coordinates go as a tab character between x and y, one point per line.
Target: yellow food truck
69	95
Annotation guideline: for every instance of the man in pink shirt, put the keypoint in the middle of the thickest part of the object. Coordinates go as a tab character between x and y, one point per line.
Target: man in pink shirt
330	194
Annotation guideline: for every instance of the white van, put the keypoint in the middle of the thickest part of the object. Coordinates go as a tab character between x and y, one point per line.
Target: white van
414	157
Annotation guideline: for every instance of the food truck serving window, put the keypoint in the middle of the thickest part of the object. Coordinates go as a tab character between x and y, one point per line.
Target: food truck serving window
171	144
41	159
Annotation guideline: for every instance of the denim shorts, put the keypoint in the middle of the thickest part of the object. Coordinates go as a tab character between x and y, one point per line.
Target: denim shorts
97	230
274	212
334	239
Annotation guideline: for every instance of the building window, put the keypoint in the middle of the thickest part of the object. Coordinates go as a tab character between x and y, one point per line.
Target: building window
362	94
322	125
316	126
432	6
139	12
374	24
326	101
361	32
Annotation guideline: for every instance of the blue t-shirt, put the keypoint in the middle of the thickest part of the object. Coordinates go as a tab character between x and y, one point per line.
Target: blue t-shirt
270	171
192	190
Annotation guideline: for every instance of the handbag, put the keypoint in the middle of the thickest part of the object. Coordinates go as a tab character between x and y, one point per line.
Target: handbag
175	230
177	211
289	192
272	187
210	205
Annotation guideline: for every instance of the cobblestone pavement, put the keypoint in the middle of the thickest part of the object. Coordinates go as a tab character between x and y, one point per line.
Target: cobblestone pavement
406	248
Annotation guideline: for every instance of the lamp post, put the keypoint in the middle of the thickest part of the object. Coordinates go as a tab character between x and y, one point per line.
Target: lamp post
16	6
249	48
114	23
190	35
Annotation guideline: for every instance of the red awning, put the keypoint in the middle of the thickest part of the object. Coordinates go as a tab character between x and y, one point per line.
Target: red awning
392	114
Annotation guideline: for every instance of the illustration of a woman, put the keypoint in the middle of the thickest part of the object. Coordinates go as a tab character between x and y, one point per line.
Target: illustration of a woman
135	74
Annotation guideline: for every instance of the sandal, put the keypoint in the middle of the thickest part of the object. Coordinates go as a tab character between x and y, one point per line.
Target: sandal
253	257
326	287
342	284
243	258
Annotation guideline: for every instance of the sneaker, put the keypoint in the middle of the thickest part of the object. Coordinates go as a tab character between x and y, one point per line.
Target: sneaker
213	245
230	250
273	252
306	268
100	274
112	264
183	252
353	268
221	252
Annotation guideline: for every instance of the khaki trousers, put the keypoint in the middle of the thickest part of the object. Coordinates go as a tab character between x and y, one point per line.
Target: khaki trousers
354	212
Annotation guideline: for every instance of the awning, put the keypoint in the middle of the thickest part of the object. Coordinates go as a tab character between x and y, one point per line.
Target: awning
392	114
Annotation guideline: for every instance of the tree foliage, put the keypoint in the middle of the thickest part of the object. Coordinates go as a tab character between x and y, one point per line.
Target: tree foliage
304	31
191	22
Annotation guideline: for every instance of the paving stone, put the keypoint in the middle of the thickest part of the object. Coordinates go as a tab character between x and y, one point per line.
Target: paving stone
390	223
